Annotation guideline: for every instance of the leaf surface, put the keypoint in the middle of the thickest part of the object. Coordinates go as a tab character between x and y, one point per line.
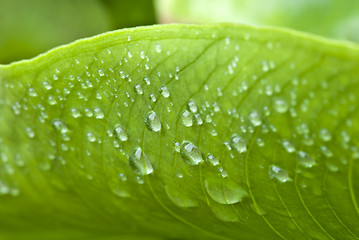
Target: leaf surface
182	132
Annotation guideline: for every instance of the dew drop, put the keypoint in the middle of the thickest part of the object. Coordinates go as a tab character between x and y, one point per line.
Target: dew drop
98	113
32	92
288	146
75	113
120	133
325	135
255	119
165	92
276	172
212	159
60	126
51	100
158	48
187	118
238	144
140	163
192	106
305	160
138	89
190	153
153	122
29	132
90	137
224	190
101	73
280	106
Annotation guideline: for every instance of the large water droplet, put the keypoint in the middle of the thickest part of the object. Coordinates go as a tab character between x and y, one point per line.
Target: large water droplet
190	153
187	119
140	163
224	190
153	122
238	144
120	133
276	172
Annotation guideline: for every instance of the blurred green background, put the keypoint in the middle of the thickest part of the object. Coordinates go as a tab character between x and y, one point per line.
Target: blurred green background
31	27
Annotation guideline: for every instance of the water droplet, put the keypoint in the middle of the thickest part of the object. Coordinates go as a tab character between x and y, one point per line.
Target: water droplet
51	100
88	112
255	119
212	159
75	113
60	126
224	190
187	118
305	160
238	144
140	163
158	48
326	151
138	89
101	73
29	132
153	97
280	106
165	92
153	122
192	106
190	153
278	173
120	133
98	113
325	135
32	92
90	137
198	119
288	146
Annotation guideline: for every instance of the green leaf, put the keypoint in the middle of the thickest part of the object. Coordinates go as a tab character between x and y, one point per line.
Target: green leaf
332	18
182	132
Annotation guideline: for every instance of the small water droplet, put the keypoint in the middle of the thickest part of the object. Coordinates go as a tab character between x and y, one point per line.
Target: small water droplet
224	190
88	112
212	159
238	144
60	126
140	163
90	137
288	146
192	106
190	153
153	122
165	92
278	173
101	73
327	152
29	132
32	92
98	113
120	133
325	135
255	119
51	100
75	113
138	89
305	160
187	119
280	105
158	48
